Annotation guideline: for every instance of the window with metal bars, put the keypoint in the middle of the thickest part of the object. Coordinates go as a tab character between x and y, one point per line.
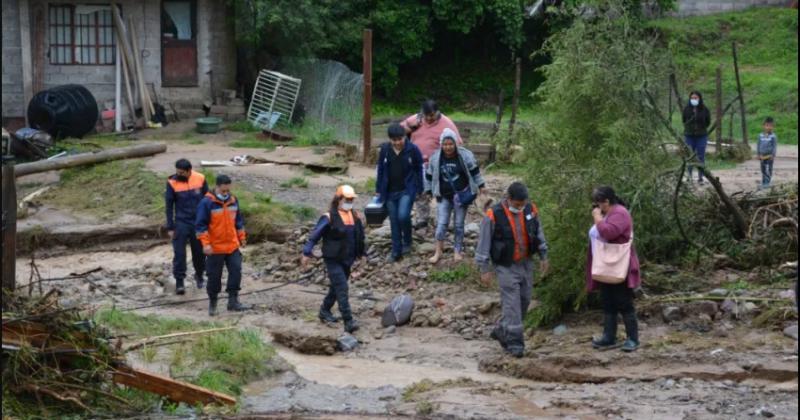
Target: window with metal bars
81	34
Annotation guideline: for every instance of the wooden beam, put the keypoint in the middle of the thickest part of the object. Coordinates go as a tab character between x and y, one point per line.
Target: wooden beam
9	221
142	150
366	122
174	390
741	94
25	50
719	112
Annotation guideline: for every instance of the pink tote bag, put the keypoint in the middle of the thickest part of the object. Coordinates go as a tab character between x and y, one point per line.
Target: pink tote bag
610	262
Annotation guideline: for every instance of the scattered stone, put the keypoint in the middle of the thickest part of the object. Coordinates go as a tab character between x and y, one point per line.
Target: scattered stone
381	232
346	342
764	412
560	330
718	292
717	351
671	313
787	294
472	228
728	306
669	383
707	307
426	248
390	330
791	332
747	308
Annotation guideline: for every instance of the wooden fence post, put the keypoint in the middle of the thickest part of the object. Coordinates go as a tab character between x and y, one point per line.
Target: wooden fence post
366	122
741	95
719	110
9	230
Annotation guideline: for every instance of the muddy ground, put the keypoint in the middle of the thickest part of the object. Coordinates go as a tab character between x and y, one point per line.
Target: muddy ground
707	361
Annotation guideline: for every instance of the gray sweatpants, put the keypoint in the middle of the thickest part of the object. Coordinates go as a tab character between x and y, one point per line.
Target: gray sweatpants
516	287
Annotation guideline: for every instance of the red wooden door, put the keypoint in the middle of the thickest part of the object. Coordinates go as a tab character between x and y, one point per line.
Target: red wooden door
178	43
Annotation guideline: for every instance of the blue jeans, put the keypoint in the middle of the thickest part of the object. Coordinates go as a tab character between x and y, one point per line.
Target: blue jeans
399	205
185	233
443	210
766	172
214	264
338	290
698	145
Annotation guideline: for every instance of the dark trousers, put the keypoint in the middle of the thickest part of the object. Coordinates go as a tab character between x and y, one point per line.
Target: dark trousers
184	233
617	299
698	145
399	206
766	172
214	264
338	274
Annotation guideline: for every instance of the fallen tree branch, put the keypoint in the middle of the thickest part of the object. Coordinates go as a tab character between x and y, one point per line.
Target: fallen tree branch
151	340
734	298
677	215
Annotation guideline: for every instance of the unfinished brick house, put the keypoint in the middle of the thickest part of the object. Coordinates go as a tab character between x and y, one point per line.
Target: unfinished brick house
187	50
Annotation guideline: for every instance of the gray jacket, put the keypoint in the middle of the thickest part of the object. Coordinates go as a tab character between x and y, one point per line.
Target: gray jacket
483	250
767	144
468	161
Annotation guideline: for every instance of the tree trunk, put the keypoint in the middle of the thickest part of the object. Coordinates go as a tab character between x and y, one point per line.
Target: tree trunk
90	158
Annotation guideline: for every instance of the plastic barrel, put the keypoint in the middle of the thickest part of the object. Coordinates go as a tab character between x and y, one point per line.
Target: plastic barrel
64	111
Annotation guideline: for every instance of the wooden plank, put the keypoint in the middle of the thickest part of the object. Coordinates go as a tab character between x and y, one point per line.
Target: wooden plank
174	390
27	64
90	158
9	221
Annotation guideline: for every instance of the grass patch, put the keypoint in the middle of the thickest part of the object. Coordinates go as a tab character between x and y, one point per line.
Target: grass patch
767	47
251	141
242	126
223	361
107	190
295	182
366	187
457	274
716	164
309	134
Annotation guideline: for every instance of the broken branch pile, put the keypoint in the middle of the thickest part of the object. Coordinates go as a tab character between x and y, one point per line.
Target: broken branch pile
54	361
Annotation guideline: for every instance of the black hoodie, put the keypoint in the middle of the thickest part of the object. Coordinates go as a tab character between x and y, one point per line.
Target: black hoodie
696	119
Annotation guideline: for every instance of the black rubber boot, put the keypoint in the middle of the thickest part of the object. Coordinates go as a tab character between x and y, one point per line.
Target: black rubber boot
212	306
199	281
179	288
326	315
351	326
632	330
234	304
609	338
497	334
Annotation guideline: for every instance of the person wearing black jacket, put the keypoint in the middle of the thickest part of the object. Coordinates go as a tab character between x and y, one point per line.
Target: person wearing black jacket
696	119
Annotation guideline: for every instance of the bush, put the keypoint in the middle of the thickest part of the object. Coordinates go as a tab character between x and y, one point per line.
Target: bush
598	131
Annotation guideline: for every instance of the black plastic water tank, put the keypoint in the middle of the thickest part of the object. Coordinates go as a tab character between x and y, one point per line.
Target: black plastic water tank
63	111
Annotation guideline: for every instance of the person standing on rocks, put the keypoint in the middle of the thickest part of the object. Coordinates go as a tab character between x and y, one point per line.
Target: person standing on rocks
220	228
510	235
452	174
184	191
342	232
696	119
613	224
399	181
425	129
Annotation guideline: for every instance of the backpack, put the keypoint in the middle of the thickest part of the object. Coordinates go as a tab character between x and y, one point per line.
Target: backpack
398	312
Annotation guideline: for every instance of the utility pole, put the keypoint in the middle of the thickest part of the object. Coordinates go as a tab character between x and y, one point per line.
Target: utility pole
366	122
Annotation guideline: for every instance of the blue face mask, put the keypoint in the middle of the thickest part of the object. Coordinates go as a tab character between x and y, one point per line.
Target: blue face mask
223	197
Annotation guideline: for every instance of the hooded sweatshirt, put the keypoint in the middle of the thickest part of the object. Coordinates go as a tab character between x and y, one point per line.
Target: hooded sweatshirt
696	119
467	161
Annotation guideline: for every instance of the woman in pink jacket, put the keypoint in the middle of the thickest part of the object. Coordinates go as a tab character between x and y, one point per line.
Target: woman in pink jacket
613	224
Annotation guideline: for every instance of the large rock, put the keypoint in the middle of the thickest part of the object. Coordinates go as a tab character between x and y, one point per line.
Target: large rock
699	307
472	228
791	331
381	232
671	314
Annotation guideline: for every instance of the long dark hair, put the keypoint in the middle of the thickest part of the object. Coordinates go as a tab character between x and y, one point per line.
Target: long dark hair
335	202
603	193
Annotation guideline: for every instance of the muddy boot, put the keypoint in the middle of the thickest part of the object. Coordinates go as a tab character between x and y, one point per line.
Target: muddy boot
632	330
199	281
609	338
326	315
179	289
234	304
351	326
212	306
497	334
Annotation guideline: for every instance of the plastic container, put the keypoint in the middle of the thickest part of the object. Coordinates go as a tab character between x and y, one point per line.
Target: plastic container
64	111
208	125
376	213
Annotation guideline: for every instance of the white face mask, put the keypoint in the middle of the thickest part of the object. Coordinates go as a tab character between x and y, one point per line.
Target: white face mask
514	209
347	206
695	102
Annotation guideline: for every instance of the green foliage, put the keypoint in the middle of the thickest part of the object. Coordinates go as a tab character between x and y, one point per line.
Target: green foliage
145	325
598	132
402	30
110	189
457	274
767	50
242	126
295	182
251	141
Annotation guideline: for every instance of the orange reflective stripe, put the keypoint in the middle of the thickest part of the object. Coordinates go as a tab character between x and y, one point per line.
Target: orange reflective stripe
195	182
490	215
510	217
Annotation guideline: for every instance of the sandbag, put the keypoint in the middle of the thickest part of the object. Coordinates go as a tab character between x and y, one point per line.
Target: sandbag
398	312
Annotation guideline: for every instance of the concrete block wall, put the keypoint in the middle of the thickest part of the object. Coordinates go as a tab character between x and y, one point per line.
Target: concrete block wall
707	7
215	50
12	102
